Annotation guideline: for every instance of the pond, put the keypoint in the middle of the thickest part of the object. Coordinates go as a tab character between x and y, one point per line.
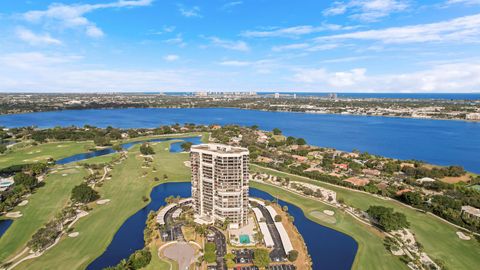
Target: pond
174	147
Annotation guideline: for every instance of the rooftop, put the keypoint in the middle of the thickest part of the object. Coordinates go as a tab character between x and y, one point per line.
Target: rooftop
220	148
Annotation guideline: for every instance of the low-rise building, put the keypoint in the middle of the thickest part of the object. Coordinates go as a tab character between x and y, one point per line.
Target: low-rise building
471	212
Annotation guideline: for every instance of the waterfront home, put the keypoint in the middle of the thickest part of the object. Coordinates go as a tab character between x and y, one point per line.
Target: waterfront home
371	172
471	212
359	182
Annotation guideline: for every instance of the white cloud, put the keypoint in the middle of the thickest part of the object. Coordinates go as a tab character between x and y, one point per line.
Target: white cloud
466	2
453	77
34	71
366	10
235	63
36	39
229	44
463	29
294	31
305	47
177	40
189	12
171	57
35	60
232	4
73	16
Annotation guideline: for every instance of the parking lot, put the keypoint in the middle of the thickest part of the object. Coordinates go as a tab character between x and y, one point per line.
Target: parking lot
243	256
282	267
278	253
221	244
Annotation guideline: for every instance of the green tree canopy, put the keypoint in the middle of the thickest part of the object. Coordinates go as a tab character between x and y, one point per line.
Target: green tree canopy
261	258
84	194
387	218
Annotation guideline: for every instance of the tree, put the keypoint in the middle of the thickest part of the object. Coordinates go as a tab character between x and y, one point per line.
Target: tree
209	255
292	255
140	259
261	258
229	258
146	149
277	131
301	141
84	194
290	140
27	180
186	146
117	147
278	218
387	218
101	141
3	148
412	198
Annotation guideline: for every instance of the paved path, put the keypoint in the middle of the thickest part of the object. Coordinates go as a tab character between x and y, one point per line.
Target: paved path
182	253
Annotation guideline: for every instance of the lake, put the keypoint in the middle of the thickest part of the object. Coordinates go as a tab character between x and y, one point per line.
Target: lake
439	142
328	248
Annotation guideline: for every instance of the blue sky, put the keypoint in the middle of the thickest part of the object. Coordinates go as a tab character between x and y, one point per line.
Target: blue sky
240	45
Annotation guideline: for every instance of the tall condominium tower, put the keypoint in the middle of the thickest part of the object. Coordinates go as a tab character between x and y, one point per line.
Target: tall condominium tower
220	183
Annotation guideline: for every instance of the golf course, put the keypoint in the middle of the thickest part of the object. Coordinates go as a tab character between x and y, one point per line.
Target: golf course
131	183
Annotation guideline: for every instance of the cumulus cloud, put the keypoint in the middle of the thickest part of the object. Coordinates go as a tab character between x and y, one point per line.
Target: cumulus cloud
462	29
366	10
452	77
36	39
73	16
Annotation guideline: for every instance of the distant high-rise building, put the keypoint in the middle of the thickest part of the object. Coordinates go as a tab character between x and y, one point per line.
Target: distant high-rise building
277	95
220	183
332	96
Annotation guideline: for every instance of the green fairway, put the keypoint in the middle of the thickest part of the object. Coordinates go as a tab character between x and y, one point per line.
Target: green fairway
371	253
42	152
125	190
437	237
42	207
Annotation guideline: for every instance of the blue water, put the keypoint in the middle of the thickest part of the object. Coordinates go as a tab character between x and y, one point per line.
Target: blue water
130	235
435	141
174	147
4	224
328	248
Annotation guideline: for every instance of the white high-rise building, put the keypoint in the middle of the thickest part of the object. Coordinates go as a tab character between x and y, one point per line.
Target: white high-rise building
220	183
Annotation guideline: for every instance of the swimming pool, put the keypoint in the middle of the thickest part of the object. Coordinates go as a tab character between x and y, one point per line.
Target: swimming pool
244	239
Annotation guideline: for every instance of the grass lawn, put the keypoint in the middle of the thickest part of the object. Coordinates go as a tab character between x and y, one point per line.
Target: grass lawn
41	208
42	152
437	237
125	190
371	253
158	264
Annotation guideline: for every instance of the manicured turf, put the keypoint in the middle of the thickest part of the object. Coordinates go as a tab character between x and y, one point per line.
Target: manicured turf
42	152
158	264
125	190
437	237
47	201
371	253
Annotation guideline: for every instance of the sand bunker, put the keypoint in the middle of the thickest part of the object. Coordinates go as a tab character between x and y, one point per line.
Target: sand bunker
104	201
329	212
462	236
73	234
23	203
323	217
14	214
